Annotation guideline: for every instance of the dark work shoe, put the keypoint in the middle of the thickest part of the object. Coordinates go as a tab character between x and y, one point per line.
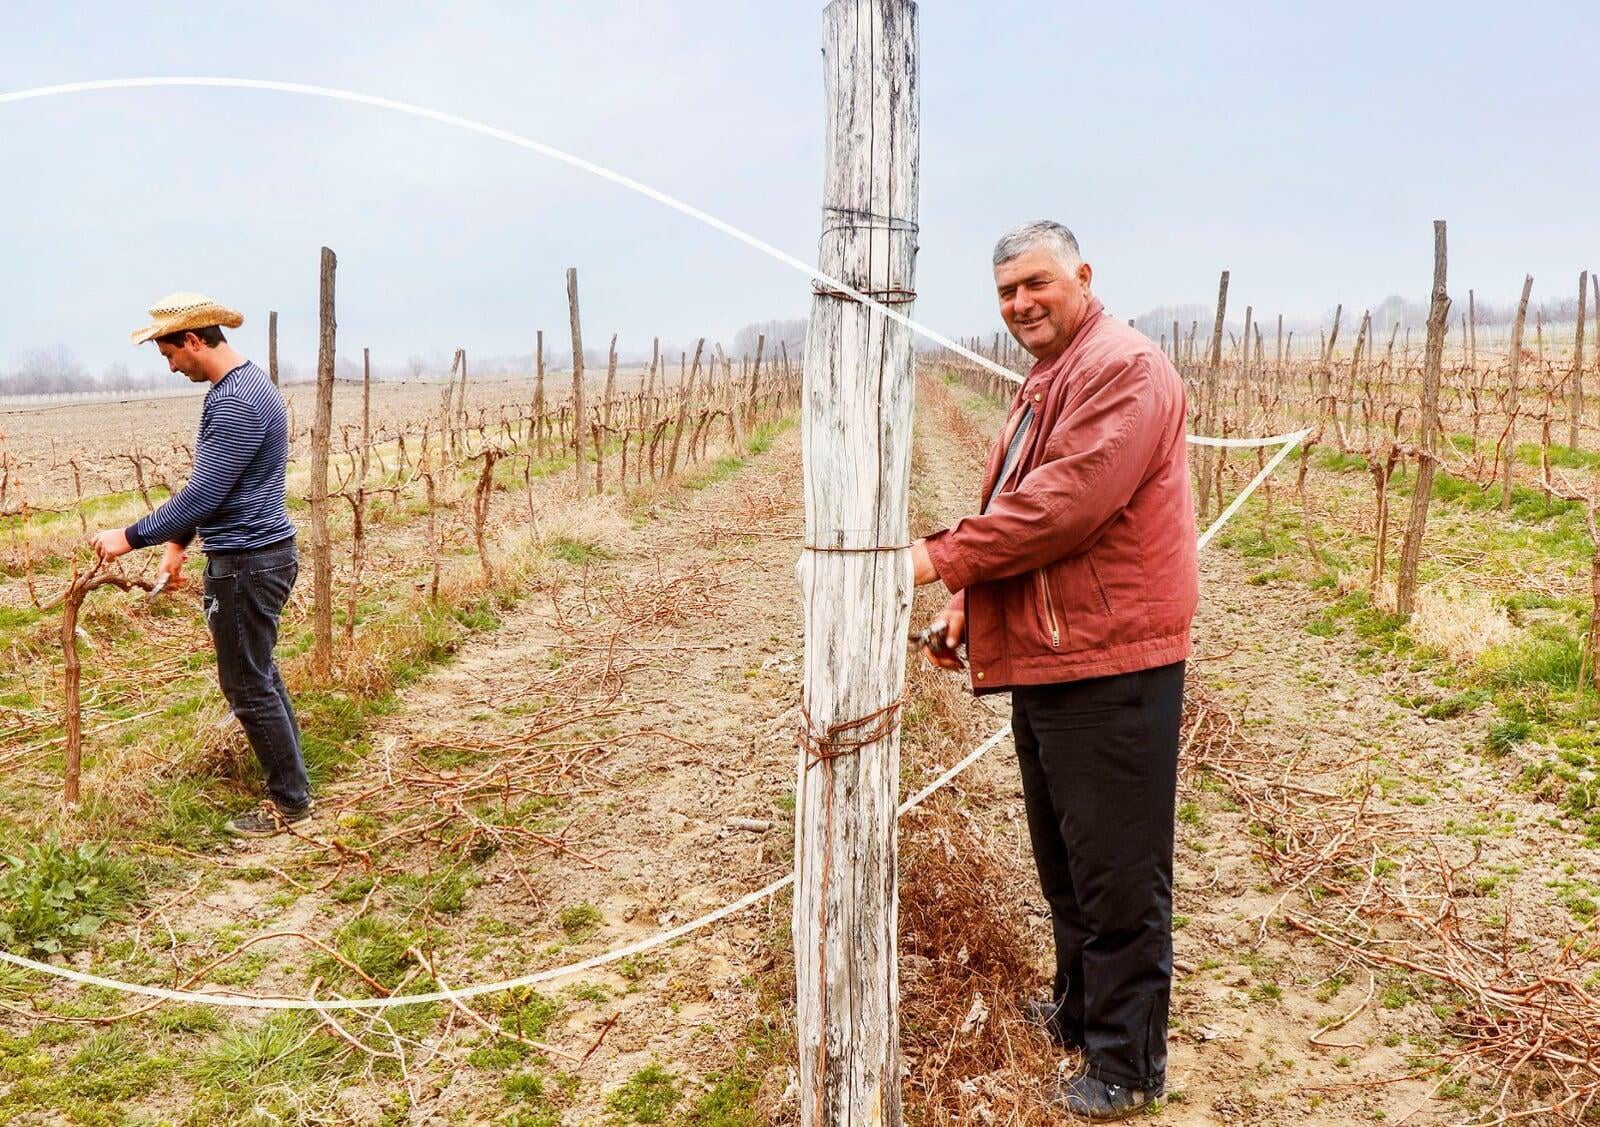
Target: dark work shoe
267	820
1089	1097
1047	1016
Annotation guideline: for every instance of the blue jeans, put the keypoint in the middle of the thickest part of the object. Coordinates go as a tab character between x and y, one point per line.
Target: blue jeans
244	596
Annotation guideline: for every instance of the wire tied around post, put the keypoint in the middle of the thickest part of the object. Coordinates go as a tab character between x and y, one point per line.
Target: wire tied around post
847	736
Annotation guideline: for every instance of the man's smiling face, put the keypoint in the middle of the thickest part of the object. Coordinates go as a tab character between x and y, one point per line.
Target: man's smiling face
1042	300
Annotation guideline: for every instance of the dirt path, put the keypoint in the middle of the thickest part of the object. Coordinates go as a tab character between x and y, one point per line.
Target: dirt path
668	652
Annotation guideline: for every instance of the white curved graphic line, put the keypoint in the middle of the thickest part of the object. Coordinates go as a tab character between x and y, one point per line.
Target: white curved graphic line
660	938
496	133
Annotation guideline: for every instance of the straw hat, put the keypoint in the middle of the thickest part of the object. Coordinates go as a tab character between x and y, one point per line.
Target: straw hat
182	311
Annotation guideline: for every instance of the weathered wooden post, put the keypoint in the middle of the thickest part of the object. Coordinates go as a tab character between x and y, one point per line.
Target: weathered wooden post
1577	362
855	573
1208	399
538	393
686	387
321	434
1422	492
1508	444
358	504
578	417
461	401
611	384
272	347
755	380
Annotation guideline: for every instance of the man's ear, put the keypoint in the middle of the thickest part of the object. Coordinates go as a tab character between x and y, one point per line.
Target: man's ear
1085	274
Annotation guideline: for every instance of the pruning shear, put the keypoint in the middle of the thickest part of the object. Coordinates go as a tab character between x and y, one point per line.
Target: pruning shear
931	637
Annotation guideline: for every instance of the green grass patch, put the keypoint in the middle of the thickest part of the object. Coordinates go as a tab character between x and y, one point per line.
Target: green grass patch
1550	656
729	1102
53	898
648	1096
580	921
271	1065
570	550
1338	463
375	944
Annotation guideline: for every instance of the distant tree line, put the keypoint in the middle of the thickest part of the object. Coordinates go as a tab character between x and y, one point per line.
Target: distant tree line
56	371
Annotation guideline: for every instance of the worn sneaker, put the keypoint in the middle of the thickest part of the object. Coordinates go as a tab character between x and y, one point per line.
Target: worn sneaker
1089	1097
1047	1016
266	820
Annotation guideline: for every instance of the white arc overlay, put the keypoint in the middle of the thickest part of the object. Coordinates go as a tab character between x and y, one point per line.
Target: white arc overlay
1286	441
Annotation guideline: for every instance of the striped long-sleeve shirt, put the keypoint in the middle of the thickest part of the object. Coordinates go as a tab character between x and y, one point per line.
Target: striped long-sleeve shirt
235	497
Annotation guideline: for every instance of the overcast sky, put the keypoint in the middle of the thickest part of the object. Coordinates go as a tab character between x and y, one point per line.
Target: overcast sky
1307	152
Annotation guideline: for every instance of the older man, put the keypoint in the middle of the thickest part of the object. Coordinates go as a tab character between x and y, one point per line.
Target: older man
234	502
1074	586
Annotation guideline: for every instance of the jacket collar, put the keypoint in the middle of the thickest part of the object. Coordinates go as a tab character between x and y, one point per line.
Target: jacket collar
1049	369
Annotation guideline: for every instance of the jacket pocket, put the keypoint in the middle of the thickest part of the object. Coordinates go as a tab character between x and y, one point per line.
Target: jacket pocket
1099	587
1076	591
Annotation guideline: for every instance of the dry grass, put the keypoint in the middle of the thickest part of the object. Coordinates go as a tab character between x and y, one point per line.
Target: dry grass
1464	624
965	965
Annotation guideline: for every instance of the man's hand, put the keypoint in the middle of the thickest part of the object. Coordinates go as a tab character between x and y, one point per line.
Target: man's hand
172	561
922	562
955	630
109	543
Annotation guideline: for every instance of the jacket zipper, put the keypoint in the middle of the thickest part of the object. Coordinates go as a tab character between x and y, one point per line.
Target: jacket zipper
1049	610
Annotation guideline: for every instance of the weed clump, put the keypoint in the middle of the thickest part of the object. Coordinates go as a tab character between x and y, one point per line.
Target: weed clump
52	898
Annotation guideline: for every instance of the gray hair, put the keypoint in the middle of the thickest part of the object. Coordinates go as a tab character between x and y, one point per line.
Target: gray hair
1044	233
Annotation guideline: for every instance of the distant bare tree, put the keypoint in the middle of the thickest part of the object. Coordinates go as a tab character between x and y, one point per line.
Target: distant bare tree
48	371
791	332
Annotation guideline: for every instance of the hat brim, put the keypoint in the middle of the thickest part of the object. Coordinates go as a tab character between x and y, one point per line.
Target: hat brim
203	318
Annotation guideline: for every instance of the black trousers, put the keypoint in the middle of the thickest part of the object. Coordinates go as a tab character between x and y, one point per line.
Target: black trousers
1099	761
244	597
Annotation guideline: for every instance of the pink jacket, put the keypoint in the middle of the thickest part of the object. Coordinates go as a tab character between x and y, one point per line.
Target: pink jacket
1084	566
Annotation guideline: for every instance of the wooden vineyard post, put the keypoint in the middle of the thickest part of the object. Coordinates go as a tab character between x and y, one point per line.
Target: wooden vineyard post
686	387
578	415
272	347
321	433
1508	444
358	504
1350	383
1577	361
538	395
1277	369
461	400
1422	492
855	573
755	380
1208	399
611	383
